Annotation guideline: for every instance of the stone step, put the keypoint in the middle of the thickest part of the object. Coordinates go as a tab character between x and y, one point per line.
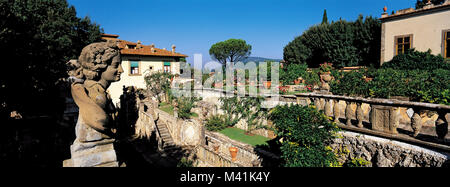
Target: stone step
166	137
162	131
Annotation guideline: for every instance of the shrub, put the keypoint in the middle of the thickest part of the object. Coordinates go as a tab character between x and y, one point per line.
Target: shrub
305	134
357	162
215	123
185	163
350	83
312	77
158	83
292	72
416	60
185	104
437	88
246	108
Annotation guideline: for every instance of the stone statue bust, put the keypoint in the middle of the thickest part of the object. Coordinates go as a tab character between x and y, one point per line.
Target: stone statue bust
98	66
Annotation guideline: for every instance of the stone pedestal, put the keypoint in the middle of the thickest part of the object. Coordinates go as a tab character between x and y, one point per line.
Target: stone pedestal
93	154
91	149
385	118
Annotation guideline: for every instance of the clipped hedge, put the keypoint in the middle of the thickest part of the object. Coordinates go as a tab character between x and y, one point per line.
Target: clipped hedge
416	60
419	85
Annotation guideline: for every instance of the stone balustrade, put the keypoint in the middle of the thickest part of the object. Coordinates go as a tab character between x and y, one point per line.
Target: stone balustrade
382	117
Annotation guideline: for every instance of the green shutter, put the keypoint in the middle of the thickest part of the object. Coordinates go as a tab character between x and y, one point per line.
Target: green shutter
134	64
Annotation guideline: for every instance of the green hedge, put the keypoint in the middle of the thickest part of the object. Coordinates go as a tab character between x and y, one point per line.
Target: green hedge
416	60
350	84
418	85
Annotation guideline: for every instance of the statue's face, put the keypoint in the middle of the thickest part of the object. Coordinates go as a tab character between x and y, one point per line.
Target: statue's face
113	71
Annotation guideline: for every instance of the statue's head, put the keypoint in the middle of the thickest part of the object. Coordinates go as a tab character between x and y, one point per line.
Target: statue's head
100	61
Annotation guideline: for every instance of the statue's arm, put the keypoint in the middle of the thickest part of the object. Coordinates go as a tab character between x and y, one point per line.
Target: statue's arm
93	115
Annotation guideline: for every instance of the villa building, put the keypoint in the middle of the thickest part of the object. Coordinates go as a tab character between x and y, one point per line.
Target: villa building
422	29
138	60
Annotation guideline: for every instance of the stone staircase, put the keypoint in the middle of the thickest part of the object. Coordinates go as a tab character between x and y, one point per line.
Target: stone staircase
169	149
165	135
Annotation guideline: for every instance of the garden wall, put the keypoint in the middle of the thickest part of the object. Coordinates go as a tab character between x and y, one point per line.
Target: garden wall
215	153
387	153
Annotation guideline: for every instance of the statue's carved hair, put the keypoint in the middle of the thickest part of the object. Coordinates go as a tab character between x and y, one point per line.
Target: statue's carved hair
95	58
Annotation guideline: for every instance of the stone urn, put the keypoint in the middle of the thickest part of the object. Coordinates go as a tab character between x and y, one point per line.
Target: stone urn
233	153
325	78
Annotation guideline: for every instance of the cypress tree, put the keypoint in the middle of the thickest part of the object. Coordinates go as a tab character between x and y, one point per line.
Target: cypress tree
325	17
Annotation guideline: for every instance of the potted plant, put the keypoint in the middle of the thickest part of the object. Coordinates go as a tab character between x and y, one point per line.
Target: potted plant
216	148
326	68
267	84
297	81
233	153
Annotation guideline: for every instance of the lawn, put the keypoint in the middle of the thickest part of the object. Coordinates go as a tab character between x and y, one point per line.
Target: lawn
169	109
166	108
239	135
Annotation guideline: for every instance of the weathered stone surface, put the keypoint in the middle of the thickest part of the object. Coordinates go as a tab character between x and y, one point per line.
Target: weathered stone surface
98	155
191	132
99	66
388	153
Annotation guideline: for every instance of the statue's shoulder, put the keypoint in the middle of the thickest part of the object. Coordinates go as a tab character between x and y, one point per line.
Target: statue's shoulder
96	92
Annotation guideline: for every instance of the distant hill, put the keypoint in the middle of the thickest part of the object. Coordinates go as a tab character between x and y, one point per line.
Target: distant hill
259	59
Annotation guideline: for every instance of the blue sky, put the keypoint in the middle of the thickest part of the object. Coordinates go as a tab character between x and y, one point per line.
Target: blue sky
194	25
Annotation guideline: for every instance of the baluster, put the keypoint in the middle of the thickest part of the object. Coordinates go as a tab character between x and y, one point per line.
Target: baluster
348	113
441	125
322	103
416	122
336	110
317	103
359	114
327	108
394	116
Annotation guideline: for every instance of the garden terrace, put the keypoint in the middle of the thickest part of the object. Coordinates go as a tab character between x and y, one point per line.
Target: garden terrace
382	117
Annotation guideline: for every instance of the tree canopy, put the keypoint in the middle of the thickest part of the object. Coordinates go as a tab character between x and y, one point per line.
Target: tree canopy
422	3
37	39
341	43
231	50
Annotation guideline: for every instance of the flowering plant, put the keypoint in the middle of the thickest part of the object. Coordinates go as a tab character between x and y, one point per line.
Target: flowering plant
326	67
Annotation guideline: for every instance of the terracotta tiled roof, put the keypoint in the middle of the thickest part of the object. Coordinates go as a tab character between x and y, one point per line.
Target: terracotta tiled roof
141	50
146	50
411	11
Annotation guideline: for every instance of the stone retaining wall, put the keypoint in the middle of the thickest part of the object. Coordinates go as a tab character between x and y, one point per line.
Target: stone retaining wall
247	156
184	132
387	153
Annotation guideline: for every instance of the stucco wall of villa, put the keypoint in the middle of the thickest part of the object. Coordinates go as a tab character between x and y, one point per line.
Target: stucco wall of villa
427	30
116	89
